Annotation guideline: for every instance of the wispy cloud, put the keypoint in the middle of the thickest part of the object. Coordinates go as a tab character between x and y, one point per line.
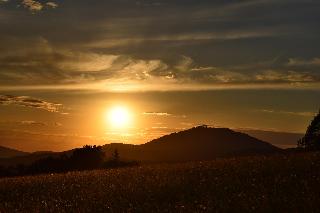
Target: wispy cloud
303	62
52	5
31	123
286	76
35	5
31	102
307	114
157	113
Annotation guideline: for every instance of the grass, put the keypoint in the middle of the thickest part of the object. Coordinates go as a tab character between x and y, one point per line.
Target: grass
286	183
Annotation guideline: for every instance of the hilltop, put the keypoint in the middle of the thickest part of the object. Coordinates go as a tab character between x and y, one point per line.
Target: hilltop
198	143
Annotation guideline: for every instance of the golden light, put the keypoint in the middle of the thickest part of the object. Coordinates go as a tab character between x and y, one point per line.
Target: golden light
118	117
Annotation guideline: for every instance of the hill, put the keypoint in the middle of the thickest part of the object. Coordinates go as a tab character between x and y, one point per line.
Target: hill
199	143
26	159
10	153
279	139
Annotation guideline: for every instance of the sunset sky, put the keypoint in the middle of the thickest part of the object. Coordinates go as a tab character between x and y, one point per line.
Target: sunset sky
103	71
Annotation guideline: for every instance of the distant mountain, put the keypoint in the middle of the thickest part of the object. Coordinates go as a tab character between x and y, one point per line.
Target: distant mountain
199	143
280	139
28	158
9	153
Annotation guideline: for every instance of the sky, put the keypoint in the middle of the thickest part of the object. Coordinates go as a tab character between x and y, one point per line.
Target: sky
168	64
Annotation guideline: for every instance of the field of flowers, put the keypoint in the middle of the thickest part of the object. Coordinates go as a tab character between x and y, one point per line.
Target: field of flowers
283	183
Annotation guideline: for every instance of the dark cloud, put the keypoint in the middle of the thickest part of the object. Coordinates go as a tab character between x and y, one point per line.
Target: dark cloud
209	42
30	102
45	65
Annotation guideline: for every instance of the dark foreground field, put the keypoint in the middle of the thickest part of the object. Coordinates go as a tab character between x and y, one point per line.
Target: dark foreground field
263	184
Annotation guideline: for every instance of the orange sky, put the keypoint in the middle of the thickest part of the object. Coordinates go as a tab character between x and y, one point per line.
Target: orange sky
172	64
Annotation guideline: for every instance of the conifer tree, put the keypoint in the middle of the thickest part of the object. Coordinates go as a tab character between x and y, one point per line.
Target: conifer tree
311	140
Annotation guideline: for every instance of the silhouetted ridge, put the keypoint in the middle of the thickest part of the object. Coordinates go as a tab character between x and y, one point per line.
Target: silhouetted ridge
281	139
9	153
198	143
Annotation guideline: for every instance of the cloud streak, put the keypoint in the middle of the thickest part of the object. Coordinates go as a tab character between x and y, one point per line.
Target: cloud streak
302	62
30	102
304	114
157	113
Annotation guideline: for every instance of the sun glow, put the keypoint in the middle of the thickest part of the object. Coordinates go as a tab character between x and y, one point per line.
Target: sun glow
118	117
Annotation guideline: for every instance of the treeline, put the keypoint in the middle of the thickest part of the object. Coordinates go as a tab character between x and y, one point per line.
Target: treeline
86	158
311	140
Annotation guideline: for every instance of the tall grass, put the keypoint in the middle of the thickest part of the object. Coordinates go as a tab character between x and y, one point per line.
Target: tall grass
283	183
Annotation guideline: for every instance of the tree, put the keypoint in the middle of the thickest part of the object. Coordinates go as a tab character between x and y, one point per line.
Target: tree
311	140
115	156
88	157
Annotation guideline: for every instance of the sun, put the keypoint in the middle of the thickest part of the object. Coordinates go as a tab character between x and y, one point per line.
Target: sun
118	117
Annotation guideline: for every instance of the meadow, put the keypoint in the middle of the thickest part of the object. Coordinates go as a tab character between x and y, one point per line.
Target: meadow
279	183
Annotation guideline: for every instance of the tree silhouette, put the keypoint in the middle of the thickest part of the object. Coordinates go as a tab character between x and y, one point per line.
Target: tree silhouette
88	157
311	140
115	156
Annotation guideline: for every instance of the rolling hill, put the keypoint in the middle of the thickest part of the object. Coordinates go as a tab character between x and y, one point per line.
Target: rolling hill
10	153
199	143
279	139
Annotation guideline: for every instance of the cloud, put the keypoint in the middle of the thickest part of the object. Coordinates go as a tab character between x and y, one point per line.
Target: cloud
184	37
37	123
286	76
23	123
305	114
302	62
85	62
52	5
32	5
31	123
31	102
157	113
189	72
40	63
35	5
159	127
176	44
164	114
